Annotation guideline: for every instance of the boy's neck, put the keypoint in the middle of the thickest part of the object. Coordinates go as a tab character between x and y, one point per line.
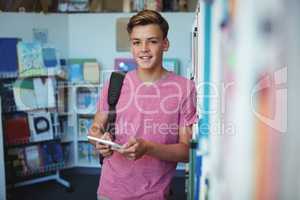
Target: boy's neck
151	75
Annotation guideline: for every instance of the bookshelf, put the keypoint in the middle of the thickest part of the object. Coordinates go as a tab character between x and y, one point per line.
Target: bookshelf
31	133
33	152
82	106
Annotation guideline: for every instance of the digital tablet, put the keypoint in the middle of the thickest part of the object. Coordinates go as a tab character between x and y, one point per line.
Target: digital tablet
106	142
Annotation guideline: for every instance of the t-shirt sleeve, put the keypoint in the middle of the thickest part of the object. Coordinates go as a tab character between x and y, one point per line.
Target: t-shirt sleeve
188	114
102	104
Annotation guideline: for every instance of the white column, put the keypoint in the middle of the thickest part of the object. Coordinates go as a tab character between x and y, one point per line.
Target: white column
2	164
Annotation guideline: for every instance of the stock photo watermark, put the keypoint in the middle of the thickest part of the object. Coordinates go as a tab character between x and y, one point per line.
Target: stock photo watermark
182	98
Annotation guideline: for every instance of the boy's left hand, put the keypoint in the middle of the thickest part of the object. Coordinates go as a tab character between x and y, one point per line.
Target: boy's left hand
134	149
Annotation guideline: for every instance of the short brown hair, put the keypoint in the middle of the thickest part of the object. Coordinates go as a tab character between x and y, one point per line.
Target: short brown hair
146	17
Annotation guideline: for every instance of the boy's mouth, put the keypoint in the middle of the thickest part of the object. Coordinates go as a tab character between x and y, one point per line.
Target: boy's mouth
145	58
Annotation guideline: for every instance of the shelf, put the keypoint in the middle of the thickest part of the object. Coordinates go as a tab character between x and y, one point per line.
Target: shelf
69	140
82	164
86	113
41	170
28	143
64	114
84	85
82	139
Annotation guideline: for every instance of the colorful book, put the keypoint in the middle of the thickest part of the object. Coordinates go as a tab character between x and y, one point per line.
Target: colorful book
30	59
83	127
87	99
125	64
83	153
75	73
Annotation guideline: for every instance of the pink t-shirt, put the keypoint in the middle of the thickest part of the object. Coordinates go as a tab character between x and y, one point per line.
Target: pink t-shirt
153	112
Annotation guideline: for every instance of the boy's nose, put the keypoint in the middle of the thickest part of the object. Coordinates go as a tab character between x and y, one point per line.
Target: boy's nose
145	46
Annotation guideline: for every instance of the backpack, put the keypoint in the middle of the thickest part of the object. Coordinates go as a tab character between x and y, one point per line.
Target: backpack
114	91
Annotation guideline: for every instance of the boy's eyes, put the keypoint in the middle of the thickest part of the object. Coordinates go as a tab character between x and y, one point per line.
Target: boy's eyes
138	42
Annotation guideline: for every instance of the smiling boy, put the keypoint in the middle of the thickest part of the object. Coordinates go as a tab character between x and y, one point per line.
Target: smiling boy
155	113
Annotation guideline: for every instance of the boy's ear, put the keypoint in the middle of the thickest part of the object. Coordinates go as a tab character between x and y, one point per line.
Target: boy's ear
166	44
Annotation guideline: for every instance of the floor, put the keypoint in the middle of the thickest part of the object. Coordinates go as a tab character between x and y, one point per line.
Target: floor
84	187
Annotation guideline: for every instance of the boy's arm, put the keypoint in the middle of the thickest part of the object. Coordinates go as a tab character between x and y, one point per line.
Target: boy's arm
97	128
172	152
179	152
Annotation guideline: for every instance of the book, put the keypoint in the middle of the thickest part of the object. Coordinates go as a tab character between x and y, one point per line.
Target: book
7	94
57	153
83	127
75	71
153	5
8	57
51	61
50	57
63	128
30	59
51	154
83	152
33	158
24	94
87	99
94	156
34	93
67	153
62	98
44	92
16	163
16	129
40	35
125	64
91	72
41	128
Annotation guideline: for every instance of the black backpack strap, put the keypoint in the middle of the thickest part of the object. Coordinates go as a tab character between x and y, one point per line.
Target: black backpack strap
114	91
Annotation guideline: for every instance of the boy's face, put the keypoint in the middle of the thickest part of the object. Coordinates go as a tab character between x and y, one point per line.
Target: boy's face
148	45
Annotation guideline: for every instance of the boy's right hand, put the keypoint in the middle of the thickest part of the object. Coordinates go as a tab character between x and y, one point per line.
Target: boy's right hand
104	150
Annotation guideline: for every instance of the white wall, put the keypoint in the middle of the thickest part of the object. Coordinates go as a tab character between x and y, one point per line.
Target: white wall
93	35
21	25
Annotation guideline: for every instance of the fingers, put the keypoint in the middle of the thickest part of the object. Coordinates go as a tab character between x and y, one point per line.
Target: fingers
106	136
104	150
130	143
131	153
132	149
96	130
